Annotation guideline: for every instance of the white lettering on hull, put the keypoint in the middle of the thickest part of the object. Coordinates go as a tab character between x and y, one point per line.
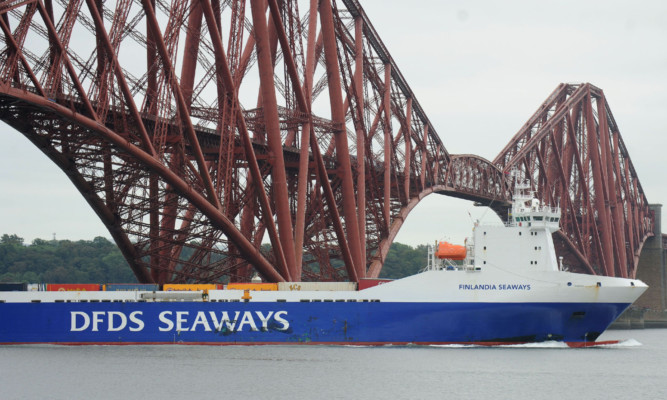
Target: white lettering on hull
180	321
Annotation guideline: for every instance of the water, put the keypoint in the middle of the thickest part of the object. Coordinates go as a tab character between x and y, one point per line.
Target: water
634	369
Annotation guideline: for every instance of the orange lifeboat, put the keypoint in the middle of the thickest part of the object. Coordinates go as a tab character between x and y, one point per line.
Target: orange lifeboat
450	251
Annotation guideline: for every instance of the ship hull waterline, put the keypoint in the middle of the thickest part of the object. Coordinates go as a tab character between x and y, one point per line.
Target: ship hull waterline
325	323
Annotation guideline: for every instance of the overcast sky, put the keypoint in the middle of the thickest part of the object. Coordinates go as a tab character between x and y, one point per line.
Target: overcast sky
479	70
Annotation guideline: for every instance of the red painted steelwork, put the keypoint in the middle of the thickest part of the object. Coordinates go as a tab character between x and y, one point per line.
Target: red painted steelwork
300	132
572	153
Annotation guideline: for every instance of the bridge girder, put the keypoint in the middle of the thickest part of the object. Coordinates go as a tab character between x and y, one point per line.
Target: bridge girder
141	105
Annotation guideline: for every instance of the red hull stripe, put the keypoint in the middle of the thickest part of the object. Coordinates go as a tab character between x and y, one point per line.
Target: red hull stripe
486	344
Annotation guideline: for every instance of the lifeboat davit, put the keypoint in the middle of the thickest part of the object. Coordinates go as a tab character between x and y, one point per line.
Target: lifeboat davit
450	251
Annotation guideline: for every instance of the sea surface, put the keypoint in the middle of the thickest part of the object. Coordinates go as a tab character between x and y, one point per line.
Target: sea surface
636	368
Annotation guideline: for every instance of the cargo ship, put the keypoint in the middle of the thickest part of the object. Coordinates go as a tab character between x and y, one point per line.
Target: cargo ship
503	286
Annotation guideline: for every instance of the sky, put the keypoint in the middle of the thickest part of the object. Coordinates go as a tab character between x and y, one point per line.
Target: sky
479	69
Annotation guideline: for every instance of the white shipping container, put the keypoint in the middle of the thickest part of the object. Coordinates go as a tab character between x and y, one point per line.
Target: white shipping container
36	287
317	286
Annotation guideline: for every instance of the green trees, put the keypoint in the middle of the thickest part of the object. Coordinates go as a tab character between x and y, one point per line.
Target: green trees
403	260
62	261
100	261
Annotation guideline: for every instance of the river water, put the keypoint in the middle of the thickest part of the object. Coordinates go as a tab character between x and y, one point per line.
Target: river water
634	369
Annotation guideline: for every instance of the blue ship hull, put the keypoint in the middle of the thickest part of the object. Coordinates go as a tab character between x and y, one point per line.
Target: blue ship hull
373	323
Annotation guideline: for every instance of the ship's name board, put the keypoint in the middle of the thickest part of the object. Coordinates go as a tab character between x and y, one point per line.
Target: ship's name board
493	286
180	321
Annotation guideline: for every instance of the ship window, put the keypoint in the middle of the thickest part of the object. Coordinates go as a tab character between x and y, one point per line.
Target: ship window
304	301
538	218
519	233
484	247
531	263
569	284
339	300
599	284
484	262
36	301
60	301
555	219
281	300
351	301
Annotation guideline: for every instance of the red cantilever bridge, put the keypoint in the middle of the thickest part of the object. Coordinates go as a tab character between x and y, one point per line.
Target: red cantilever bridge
197	130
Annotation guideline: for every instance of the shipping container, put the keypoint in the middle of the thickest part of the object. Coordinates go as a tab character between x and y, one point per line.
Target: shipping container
169	287
252	286
365	283
13	287
73	287
317	286
37	287
131	287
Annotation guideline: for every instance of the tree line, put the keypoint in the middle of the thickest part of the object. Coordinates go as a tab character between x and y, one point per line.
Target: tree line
100	261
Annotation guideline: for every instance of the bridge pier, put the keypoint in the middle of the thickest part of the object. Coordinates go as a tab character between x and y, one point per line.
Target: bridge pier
650	310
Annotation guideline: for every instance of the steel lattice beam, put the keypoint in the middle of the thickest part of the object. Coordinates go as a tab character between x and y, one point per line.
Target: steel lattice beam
197	130
572	152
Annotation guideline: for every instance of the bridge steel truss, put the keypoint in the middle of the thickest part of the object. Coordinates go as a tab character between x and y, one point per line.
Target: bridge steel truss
198	130
572	153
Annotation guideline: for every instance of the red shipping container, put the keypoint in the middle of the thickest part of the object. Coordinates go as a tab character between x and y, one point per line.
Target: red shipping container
73	287
365	283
